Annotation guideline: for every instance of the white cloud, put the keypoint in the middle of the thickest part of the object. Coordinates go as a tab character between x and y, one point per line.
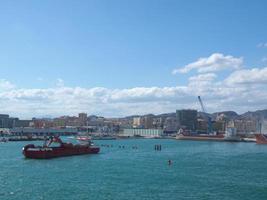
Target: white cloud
201	83
248	76
218	96
213	63
103	101
203	77
241	91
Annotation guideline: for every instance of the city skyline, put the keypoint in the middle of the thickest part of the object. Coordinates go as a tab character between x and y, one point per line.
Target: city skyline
258	114
118	59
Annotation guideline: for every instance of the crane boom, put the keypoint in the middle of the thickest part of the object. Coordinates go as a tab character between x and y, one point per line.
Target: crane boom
209	118
201	104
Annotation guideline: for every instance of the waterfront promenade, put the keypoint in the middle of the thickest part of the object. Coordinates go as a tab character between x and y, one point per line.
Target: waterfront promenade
199	170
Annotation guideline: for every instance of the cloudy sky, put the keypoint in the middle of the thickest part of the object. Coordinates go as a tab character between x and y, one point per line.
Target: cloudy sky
117	58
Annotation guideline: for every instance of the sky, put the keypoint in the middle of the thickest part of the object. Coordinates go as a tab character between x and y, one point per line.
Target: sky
121	57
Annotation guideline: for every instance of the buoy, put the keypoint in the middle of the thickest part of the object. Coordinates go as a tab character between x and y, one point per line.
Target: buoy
169	162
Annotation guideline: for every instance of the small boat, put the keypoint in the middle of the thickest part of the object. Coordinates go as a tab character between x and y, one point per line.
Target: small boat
63	149
83	138
261	138
249	139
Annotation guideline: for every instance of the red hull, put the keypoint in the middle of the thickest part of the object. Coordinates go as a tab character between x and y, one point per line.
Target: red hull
261	139
200	137
30	151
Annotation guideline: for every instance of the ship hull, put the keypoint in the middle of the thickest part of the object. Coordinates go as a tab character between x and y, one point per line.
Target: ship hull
261	138
200	137
30	151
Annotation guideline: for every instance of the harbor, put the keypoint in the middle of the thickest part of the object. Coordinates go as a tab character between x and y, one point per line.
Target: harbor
208	170
133	100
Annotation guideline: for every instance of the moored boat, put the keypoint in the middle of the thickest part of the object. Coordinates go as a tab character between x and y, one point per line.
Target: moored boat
83	138
200	137
261	138
63	149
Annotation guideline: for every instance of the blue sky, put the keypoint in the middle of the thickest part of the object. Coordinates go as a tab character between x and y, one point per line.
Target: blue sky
122	45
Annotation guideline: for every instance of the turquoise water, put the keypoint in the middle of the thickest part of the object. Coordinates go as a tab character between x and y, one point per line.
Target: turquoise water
200	170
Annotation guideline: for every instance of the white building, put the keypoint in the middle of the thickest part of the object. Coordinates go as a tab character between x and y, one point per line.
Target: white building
148	133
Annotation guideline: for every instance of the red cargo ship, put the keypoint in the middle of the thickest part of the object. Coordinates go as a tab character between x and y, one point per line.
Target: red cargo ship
261	138
200	137
64	149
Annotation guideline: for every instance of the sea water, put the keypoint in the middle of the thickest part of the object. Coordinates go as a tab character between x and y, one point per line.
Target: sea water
199	170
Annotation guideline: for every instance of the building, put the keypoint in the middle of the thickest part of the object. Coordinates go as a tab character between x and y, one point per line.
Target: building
244	126
43	123
148	121
170	125
65	121
59	122
143	122
158	123
4	121
124	123
219	126
187	119
23	123
263	126
202	125
138	132
7	122
137	122
82	119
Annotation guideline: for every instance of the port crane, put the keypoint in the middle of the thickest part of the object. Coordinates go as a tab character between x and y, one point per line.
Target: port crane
204	111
